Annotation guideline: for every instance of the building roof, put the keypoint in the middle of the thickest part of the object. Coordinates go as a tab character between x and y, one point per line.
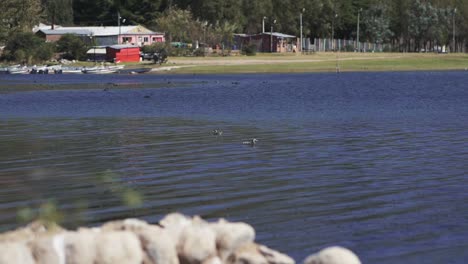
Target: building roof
43	26
96	51
280	35
99	31
123	46
275	34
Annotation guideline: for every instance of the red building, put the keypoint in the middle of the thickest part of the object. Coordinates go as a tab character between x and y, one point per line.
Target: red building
123	53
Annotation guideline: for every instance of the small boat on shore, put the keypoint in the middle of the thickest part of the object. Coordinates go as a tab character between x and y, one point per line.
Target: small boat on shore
72	70
18	69
103	70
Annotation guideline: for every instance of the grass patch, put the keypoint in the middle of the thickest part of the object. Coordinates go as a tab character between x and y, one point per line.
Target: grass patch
325	62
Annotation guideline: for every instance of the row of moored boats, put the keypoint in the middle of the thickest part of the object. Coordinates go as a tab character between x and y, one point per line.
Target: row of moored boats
59	69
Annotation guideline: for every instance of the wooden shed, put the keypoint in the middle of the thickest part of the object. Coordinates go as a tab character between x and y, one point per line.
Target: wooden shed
123	53
268	41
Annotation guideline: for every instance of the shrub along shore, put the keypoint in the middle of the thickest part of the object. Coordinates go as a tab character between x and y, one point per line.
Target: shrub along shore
175	239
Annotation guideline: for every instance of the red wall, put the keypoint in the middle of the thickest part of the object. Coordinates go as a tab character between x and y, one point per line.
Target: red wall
124	55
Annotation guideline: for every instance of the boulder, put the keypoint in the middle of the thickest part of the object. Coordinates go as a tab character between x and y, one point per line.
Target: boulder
15	252
118	247
157	244
196	243
333	255
251	253
175	220
30	231
230	236
80	247
48	249
130	224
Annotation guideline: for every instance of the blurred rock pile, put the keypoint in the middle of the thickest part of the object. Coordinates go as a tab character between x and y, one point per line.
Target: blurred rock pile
176	239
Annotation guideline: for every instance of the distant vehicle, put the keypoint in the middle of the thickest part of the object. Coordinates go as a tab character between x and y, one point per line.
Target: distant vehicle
146	56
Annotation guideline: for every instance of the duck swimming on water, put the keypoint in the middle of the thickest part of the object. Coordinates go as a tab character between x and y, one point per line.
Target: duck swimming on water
217	132
250	142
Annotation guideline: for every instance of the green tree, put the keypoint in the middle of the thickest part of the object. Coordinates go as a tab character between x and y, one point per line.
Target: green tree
254	11
399	19
376	23
72	46
224	33
94	12
422	19
176	23
18	16
58	11
25	47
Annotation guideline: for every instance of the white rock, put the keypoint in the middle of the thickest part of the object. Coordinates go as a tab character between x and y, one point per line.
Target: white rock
251	253
14	253
158	245
213	260
119	247
175	220
247	254
48	249
130	224
275	257
197	242
29	232
230	236
80	247
333	255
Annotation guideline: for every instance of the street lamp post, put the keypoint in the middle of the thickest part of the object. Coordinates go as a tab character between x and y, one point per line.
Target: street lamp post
333	31
119	20
271	36
453	34
300	18
118	23
357	38
263	24
94	46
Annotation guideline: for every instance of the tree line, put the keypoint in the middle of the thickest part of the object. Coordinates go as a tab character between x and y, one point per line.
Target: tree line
411	25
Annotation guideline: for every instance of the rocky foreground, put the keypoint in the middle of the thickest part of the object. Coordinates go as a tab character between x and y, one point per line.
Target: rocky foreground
176	239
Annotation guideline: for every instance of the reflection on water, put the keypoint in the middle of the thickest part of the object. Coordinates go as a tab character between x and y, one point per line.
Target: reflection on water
373	162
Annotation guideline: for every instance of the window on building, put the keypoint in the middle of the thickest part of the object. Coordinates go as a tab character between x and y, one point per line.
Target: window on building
145	39
126	39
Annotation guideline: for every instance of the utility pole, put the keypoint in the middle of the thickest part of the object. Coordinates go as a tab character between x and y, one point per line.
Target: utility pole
263	24
357	39
454	47
118	23
333	32
271	36
300	18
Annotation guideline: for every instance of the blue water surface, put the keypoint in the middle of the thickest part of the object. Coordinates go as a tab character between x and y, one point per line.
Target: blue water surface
376	162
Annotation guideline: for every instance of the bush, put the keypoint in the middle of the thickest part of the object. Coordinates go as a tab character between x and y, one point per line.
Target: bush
26	47
155	47
389	48
200	52
349	48
249	50
180	52
45	52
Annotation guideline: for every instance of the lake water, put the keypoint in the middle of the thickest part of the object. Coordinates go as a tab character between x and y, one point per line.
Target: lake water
376	162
